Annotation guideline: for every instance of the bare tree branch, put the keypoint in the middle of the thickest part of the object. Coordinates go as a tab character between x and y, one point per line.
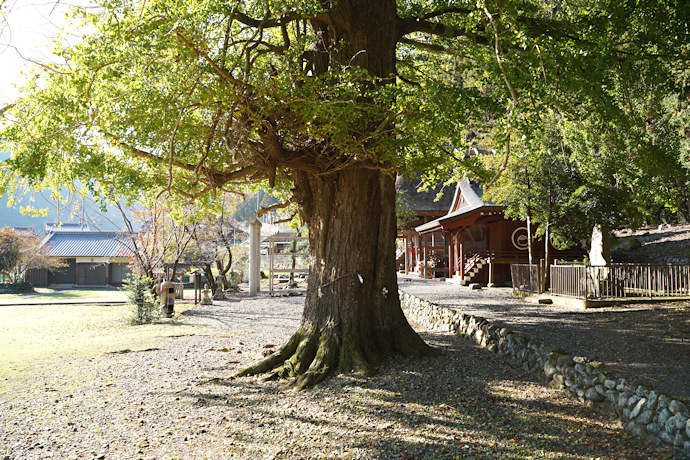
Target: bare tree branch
261	211
6	108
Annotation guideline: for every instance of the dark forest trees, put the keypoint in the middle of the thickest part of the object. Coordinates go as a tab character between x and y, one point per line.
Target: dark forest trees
325	101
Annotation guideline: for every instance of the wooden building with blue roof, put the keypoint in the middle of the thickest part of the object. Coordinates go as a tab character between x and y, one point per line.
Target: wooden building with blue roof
93	258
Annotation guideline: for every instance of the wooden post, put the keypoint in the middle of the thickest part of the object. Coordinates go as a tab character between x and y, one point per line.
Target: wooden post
270	265
197	288
407	250
424	256
542	276
461	262
450	256
456	265
649	280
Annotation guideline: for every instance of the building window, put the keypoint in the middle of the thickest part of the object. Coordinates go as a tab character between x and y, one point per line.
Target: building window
475	239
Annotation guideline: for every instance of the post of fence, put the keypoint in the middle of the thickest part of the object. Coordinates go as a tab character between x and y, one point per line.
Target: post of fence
542	276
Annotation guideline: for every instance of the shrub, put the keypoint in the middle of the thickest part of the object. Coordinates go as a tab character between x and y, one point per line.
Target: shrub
139	297
16	288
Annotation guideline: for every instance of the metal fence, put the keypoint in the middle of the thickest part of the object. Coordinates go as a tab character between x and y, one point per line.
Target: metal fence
620	280
527	277
569	280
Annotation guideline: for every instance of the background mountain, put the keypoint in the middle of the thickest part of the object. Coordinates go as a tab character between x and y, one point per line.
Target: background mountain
71	212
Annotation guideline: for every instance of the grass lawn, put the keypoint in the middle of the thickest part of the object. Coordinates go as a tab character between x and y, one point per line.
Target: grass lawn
32	335
38	290
49	296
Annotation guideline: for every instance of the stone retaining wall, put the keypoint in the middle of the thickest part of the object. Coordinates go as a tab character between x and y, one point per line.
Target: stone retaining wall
648	413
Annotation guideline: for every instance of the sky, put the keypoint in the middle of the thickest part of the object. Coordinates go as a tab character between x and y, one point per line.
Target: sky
26	29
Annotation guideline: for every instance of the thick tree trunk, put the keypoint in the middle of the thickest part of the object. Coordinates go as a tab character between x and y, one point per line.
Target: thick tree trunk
210	279
352	317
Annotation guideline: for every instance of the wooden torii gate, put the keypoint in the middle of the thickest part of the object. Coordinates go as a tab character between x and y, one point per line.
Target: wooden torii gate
273	255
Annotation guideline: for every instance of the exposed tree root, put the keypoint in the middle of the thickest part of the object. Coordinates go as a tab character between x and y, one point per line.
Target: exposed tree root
275	359
311	355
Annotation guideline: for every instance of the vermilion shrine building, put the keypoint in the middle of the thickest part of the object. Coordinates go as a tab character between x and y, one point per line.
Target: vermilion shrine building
473	242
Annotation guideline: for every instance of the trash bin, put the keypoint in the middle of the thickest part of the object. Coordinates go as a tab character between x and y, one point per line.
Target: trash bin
168	298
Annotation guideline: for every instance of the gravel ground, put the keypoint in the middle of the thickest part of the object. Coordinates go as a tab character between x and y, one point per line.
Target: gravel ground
177	400
646	341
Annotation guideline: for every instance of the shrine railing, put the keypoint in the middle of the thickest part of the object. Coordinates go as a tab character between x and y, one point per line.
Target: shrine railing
528	277
620	280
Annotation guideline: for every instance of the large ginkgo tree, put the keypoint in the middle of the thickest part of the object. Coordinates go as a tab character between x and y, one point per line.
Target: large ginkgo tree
325	100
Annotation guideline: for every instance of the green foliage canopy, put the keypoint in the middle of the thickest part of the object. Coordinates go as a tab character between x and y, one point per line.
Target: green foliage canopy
192	97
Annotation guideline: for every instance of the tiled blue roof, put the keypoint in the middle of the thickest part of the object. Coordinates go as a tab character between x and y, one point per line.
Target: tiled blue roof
51	227
87	244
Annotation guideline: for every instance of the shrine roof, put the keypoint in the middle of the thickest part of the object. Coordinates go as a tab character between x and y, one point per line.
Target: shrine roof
468	203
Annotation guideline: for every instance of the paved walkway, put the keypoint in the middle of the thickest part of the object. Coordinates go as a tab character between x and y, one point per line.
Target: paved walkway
646	341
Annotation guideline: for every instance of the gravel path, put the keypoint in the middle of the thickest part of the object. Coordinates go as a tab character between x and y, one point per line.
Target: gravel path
177	400
646	341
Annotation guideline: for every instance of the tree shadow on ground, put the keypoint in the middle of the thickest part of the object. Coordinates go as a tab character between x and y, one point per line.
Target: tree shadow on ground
465	404
649	342
652	345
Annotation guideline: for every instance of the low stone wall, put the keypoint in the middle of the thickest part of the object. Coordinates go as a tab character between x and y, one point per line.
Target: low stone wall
647	412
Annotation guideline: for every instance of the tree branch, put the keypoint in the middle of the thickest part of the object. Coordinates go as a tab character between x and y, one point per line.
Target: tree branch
172	149
213	64
423	24
438	29
289	219
513	93
261	211
449	153
268	24
449	10
6	108
427	46
138	153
